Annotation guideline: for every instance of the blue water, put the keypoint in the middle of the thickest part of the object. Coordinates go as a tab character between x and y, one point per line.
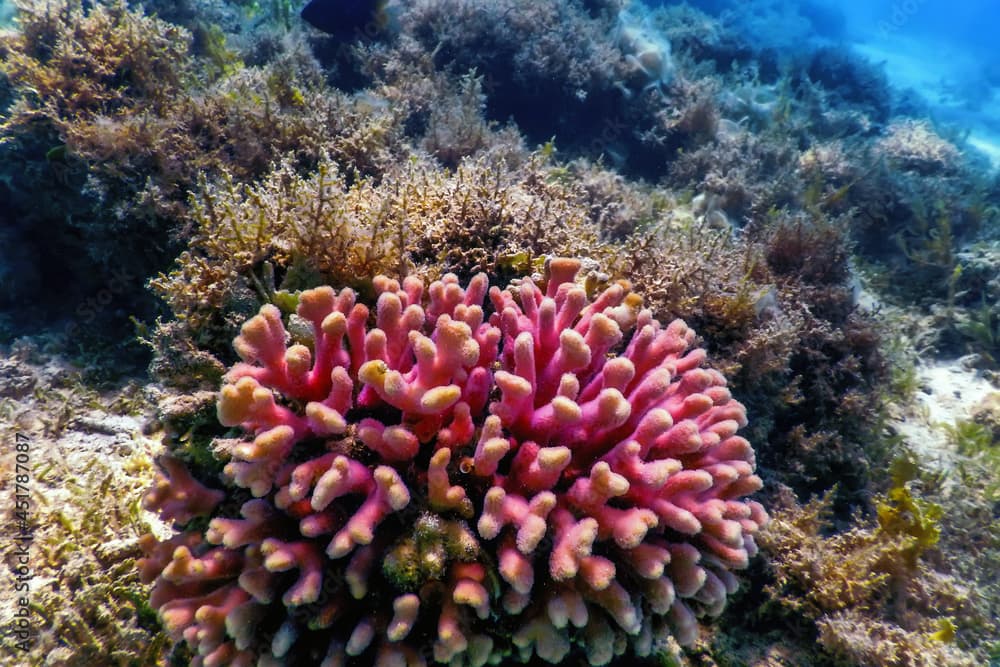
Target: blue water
946	51
6	13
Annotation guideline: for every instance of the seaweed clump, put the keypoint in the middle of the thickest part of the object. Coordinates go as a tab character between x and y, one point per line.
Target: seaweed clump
88	466
260	244
76	75
871	594
115	117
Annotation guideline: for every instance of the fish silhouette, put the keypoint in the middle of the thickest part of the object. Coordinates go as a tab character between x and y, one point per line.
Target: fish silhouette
346	18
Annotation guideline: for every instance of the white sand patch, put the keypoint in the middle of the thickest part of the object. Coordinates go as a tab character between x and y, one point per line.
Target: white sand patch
989	146
949	392
907	65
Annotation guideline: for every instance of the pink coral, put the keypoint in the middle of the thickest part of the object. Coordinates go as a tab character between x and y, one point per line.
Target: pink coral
445	486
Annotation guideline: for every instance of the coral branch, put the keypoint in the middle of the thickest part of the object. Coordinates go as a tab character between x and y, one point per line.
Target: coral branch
565	466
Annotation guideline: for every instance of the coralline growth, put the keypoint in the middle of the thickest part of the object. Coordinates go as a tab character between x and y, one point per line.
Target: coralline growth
646	51
447	486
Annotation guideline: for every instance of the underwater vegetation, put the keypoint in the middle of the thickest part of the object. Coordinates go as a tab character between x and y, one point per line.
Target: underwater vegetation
91	468
76	79
398	464
116	117
869	592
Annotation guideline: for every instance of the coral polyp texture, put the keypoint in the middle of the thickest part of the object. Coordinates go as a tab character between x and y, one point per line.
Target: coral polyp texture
428	484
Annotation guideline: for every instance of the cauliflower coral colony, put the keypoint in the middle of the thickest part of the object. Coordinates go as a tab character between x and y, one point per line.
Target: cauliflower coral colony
432	485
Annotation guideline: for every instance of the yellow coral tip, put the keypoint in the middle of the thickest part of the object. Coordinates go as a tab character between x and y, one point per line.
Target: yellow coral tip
440	398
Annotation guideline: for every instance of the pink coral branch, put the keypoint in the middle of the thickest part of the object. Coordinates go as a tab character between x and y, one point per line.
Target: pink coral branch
178	496
572	468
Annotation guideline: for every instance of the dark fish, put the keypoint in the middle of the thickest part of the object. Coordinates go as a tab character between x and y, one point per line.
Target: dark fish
346	18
